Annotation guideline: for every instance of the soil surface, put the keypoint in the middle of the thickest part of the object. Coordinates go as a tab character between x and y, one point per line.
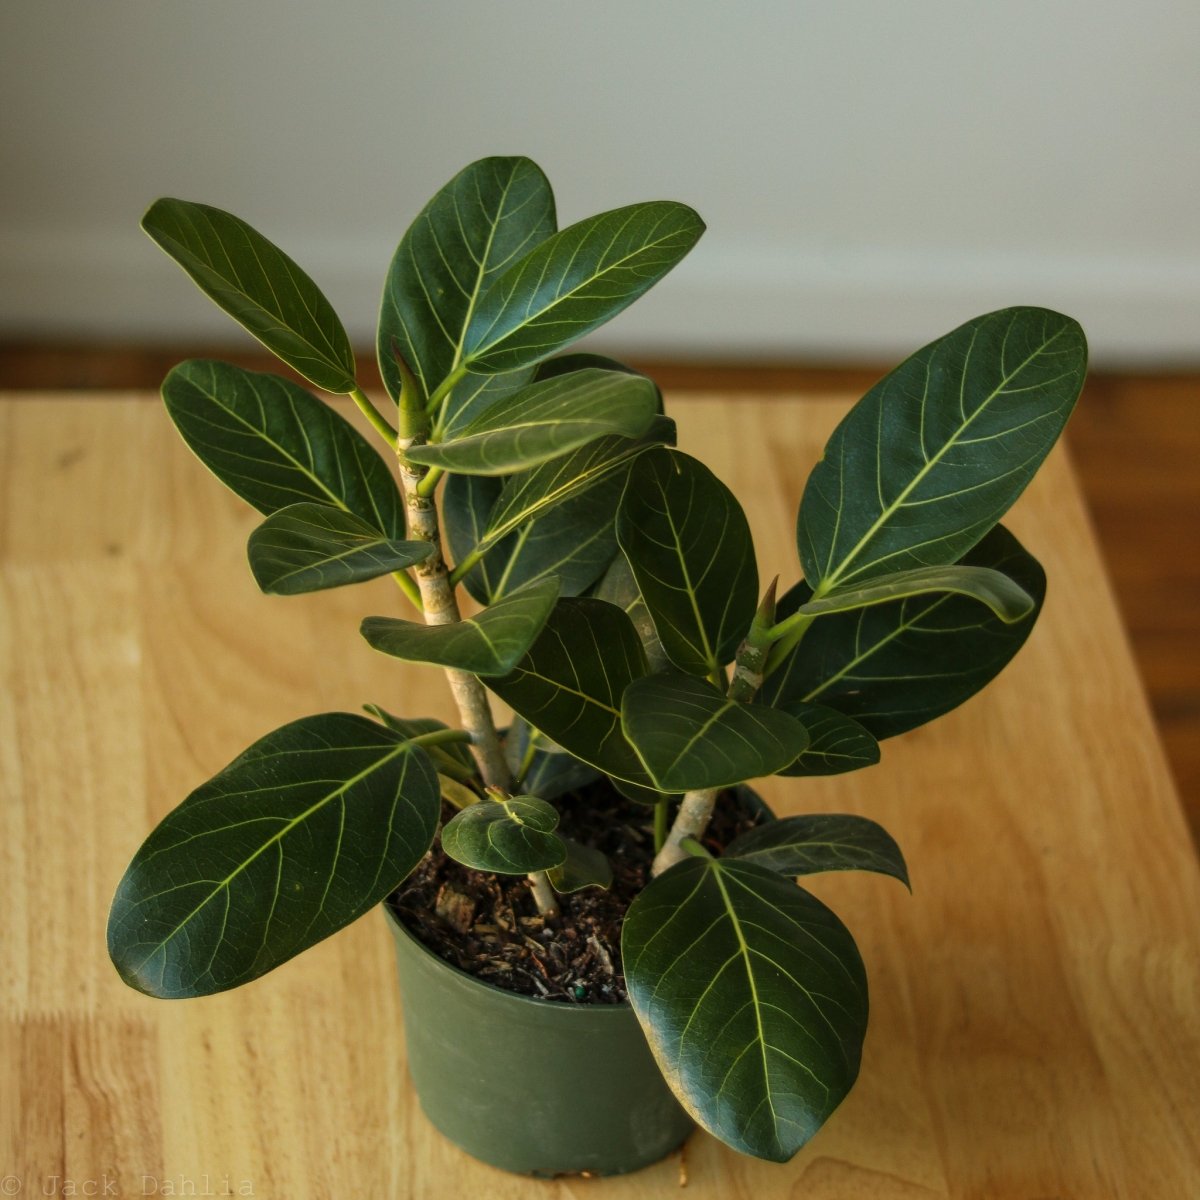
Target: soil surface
489	926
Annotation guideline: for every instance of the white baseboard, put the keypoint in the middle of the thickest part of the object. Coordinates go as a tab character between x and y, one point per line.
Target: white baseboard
729	300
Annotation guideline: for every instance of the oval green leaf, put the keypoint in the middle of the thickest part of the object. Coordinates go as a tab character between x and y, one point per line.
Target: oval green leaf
569	684
689	736
575	281
488	216
753	997
490	643
815	842
895	666
689	545
543	421
303	833
274	444
934	454
308	547
259	286
510	837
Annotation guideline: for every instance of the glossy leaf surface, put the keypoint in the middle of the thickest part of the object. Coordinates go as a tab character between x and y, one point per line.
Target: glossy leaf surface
575	281
274	444
490	643
753	998
543	421
895	666
836	743
689	546
486	218
258	285
307	547
303	833
934	454
688	735
815	842
510	837
579	360
569	685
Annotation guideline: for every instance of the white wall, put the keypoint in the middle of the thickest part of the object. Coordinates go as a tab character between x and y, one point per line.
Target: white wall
871	173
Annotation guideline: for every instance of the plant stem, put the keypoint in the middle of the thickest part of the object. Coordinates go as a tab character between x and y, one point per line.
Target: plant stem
441	608
661	820
695	812
373	415
405	582
543	894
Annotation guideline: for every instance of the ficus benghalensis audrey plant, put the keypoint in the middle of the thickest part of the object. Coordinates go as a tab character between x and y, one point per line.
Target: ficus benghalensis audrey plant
620	616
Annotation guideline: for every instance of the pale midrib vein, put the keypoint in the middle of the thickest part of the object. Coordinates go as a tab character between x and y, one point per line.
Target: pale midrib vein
276	838
744	950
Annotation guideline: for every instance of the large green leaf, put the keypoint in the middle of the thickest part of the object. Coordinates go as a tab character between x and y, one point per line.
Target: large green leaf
527	496
570	682
1005	598
303	833
836	743
934	454
689	545
579	360
307	547
814	842
688	735
486	218
753	998
275	444
574	541
543	421
259	286
490	643
895	666
510	837
575	281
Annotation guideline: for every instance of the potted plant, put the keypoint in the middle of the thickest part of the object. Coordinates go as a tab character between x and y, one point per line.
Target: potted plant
615	605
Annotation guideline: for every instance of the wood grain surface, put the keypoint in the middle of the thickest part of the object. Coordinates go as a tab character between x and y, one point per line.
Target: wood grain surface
1035	1026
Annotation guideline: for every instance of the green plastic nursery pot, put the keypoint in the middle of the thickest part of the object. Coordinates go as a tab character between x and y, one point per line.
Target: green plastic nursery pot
533	1086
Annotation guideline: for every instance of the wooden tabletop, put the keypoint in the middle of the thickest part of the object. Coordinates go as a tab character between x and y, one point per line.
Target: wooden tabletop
1035	1024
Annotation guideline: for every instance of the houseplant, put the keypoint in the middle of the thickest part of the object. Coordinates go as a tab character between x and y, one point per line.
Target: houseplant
622	619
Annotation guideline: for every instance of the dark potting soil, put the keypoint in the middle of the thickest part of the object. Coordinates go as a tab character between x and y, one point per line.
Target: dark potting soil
489	926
